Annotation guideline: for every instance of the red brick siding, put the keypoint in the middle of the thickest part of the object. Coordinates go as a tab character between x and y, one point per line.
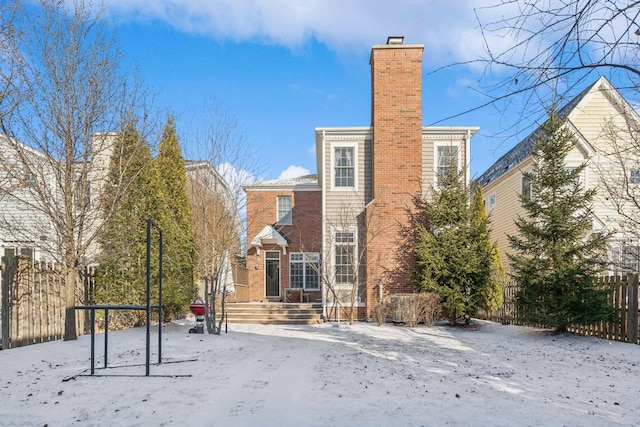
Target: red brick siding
396	77
303	235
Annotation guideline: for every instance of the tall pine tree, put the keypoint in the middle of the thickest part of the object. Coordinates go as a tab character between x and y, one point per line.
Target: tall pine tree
488	272
446	260
121	273
448	238
175	220
557	254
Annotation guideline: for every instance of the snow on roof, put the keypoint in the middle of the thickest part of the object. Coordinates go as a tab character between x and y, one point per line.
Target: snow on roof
305	181
269	235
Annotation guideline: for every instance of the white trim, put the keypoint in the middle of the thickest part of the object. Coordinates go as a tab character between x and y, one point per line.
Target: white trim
269	235
436	145
467	157
343	144
264	275
306	259
334	230
323	266
278	218
495	200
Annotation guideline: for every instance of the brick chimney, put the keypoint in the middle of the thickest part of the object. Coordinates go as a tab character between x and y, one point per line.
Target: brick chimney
396	117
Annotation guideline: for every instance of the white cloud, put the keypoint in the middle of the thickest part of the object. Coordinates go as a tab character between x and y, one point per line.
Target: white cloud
235	178
447	29
294	172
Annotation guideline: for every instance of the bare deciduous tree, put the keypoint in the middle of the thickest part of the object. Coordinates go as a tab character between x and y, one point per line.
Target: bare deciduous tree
620	182
68	93
9	60
217	198
351	230
543	48
217	230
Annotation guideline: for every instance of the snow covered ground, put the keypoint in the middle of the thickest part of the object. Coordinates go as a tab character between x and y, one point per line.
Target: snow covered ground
328	375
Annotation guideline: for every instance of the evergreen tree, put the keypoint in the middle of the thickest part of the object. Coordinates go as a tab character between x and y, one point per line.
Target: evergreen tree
488	272
122	270
175	220
445	254
557	254
407	242
493	295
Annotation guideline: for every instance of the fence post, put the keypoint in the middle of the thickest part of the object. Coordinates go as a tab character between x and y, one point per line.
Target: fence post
632	312
4	304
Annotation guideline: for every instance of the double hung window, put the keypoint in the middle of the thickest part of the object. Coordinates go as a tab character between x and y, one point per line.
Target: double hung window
344	167
447	161
284	210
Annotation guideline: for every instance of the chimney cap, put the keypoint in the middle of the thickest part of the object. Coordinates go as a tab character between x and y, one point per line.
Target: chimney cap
395	39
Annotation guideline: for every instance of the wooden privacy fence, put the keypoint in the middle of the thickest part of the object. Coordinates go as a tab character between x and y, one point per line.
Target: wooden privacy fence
624	299
241	279
32	301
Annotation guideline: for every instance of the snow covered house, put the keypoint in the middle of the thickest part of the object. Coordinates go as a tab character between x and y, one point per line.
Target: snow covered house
331	237
30	186
606	128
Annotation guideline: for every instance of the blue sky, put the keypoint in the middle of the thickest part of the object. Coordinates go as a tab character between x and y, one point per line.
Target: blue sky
282	68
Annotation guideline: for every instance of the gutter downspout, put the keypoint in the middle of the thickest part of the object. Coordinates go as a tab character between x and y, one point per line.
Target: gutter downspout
468	155
324	230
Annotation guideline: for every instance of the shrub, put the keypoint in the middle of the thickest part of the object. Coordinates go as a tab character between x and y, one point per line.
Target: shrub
415	308
432	309
381	312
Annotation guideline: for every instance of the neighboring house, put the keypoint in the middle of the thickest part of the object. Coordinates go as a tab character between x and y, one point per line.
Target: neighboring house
209	179
22	228
284	239
217	222
337	231
28	188
590	116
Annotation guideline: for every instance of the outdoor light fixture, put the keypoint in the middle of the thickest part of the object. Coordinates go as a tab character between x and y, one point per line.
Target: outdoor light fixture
395	39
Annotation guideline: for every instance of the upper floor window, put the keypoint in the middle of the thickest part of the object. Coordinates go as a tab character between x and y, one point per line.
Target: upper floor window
575	183
344	167
634	176
492	200
284	210
29	180
526	187
447	160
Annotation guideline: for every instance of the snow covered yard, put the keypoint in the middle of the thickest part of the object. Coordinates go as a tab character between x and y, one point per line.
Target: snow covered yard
328	375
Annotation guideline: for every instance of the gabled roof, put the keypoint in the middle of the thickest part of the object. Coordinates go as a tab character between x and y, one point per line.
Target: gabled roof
524	148
269	236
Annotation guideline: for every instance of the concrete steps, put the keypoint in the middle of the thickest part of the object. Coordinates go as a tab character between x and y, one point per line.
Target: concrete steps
275	313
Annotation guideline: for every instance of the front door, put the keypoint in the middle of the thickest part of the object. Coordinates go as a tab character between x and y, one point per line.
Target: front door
272	274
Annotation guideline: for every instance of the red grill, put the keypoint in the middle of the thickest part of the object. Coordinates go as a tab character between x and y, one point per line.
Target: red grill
197	308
